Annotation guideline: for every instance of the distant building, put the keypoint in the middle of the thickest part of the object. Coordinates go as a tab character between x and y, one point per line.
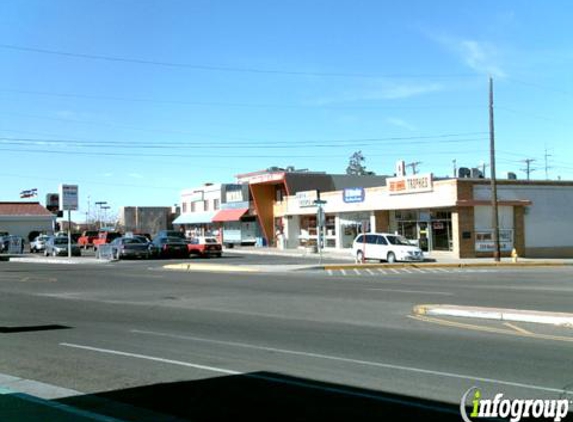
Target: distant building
25	218
145	219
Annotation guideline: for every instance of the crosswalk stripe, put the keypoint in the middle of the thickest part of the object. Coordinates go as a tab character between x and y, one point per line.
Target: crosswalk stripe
329	272
395	270
406	270
382	271
369	271
343	272
356	271
419	270
443	270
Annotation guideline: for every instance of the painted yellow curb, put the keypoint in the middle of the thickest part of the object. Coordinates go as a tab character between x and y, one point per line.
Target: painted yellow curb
210	267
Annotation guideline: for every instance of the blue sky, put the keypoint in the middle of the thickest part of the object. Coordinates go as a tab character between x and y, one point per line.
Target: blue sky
134	100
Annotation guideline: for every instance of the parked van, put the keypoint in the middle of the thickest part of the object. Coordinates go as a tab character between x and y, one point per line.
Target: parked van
385	247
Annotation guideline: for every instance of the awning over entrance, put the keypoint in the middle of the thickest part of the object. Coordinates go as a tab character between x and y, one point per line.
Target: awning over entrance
195	218
229	215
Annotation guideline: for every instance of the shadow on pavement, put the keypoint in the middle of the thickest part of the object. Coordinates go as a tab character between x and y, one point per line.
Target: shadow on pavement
260	396
28	328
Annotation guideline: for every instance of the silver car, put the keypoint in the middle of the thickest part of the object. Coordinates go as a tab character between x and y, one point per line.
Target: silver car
39	243
58	245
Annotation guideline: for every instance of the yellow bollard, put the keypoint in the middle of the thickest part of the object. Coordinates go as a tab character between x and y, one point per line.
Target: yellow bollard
514	255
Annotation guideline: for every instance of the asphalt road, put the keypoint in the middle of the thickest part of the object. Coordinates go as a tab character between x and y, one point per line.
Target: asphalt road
137	342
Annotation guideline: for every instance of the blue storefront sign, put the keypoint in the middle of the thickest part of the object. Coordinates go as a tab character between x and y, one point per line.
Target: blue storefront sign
353	195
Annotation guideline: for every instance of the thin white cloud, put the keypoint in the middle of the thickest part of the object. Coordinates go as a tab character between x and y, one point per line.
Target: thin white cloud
383	90
480	56
400	123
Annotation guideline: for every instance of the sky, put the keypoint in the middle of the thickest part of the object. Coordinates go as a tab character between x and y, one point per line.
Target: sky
135	100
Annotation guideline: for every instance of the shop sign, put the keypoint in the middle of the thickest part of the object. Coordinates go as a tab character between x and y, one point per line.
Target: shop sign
235	193
52	202
307	198
485	243
68	197
353	195
261	178
410	184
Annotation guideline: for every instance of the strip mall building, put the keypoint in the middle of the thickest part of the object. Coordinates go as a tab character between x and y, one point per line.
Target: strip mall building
451	216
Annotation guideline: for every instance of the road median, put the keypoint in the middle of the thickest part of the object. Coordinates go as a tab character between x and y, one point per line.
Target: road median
498	314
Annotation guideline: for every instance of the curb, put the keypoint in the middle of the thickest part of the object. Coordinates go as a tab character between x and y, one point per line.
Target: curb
499	314
63	260
210	267
447	265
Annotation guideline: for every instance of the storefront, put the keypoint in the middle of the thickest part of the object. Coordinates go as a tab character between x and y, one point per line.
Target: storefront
431	230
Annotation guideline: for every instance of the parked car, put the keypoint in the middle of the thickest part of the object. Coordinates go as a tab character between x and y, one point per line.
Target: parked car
169	247
58	245
12	244
39	243
87	238
129	247
385	247
105	237
205	247
171	233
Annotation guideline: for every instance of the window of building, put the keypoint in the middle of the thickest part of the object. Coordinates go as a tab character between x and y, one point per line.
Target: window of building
205	205
193	206
216	204
184	207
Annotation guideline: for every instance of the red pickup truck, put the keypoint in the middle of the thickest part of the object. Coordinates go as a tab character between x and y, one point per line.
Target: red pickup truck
105	237
86	240
204	247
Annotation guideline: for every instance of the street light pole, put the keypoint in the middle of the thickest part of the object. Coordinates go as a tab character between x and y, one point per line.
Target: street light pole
495	218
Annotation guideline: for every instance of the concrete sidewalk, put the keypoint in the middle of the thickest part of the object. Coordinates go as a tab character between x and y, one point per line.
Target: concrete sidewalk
432	259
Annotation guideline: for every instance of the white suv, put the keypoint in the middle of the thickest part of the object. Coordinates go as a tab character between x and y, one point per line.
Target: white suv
385	247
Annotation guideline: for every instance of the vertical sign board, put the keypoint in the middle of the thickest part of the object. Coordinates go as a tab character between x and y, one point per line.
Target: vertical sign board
68	197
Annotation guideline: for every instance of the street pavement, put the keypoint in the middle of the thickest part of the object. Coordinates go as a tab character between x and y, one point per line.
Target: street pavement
133	341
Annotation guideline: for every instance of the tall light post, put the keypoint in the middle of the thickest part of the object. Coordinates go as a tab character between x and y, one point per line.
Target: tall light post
105	208
99	206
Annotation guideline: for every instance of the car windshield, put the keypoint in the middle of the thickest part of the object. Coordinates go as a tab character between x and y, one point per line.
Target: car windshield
398	240
131	241
61	241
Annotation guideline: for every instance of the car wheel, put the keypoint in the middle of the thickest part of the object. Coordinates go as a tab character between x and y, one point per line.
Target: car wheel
218	255
391	257
46	252
360	256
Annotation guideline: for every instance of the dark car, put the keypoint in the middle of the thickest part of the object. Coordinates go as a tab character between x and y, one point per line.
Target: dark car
171	233
130	247
12	244
169	247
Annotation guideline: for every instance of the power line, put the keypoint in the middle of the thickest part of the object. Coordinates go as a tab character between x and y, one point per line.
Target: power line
236	104
220	68
206	144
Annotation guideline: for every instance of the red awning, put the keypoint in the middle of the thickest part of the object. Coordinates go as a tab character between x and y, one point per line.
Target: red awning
229	215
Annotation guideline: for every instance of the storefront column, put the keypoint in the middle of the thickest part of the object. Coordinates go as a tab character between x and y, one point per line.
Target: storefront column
372	222
339	229
519	230
382	221
463	232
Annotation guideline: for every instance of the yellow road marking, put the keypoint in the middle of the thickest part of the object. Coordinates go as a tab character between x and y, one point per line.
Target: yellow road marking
494	330
516	328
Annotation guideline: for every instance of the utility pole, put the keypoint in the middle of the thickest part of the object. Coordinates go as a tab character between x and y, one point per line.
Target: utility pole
483	166
414	166
454	162
495	219
528	168
547	167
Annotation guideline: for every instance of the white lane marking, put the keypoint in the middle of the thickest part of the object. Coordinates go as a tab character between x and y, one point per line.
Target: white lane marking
419	270
156	359
395	270
382	271
329	272
356	271
343	272
355	361
268	378
414	291
432	270
369	271
406	270
442	270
